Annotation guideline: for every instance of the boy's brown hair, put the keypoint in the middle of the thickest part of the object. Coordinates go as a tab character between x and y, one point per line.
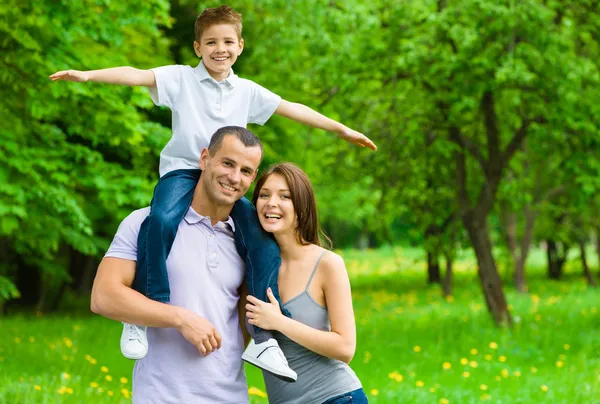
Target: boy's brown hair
219	15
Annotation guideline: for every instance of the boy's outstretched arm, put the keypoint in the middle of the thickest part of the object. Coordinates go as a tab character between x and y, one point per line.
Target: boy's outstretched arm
126	76
303	114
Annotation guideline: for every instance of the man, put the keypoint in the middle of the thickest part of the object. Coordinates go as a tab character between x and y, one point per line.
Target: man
196	341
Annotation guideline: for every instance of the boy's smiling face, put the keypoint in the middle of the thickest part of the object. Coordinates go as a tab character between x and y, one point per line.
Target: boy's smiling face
219	48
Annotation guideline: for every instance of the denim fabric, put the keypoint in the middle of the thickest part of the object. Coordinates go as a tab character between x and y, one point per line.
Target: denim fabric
260	252
355	397
172	198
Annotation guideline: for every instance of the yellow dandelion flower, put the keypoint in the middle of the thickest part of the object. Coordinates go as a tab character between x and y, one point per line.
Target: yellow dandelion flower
417	348
446	365
253	391
66	375
93	385
533	370
38	388
535	299
485	396
483	387
517	373
104	369
17	340
444	401
110	393
366	357
464	361
374	392
32	339
127	394
493	345
544	387
61	390
93	361
69	390
108	378
123	380
473	351
68	342
473	364
502	358
559	364
504	373
488	357
419	383
466	374
566	347
449	298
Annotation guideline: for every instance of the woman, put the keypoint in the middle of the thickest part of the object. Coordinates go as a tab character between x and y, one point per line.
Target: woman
320	339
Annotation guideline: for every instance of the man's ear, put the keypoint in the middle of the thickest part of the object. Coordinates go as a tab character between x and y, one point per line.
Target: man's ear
204	158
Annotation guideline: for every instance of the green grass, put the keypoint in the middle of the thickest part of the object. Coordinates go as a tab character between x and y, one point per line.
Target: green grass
413	346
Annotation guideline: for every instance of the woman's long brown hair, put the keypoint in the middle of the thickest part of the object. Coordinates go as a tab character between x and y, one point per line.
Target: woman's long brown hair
303	199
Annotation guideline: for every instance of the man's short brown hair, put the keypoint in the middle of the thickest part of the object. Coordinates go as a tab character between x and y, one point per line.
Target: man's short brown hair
219	15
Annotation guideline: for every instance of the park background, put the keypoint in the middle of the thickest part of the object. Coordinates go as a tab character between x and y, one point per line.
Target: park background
471	236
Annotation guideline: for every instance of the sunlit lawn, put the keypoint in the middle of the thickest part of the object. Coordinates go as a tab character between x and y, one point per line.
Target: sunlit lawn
413	346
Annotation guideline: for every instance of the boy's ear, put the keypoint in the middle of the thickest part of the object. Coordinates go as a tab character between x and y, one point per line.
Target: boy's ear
241	47
197	49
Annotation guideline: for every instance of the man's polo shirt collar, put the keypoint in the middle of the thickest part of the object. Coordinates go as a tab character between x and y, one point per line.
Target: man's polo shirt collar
203	74
192	217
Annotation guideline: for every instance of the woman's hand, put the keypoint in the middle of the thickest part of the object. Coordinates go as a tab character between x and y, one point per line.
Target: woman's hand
265	315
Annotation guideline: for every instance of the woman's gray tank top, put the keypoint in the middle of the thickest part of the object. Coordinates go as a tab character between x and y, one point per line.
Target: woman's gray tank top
319	378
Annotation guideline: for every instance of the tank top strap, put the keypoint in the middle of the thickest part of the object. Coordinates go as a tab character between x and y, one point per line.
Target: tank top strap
314	270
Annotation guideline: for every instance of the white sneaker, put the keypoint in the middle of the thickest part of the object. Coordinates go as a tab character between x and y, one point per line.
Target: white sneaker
268	356
134	344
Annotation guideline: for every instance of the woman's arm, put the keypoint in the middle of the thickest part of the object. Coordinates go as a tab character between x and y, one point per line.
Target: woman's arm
340	342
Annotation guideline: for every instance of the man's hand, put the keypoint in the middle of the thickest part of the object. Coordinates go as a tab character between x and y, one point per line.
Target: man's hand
262	314
199	332
70	75
357	138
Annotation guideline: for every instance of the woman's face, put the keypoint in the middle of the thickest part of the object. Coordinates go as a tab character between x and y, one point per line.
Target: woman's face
274	206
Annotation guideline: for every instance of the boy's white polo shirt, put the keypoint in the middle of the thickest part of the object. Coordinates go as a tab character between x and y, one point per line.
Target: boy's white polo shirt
200	105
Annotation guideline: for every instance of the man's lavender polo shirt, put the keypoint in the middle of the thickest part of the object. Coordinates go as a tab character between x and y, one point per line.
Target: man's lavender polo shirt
205	274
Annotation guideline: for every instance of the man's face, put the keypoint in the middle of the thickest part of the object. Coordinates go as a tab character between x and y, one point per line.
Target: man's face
227	175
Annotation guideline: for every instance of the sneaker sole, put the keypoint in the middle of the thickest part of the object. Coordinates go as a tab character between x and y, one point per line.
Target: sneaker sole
133	357
251	360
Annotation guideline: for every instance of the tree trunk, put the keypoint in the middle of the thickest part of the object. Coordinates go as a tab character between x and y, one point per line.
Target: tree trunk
556	260
488	272
586	269
433	268
447	283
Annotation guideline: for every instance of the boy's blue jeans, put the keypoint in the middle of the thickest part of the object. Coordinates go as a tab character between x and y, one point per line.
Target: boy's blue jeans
172	198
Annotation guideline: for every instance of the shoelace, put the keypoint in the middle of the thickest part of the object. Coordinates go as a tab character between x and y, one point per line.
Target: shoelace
134	333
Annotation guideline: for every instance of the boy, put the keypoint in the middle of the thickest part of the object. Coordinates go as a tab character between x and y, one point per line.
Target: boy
203	99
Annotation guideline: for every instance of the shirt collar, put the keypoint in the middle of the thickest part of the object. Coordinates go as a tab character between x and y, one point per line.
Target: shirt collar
203	74
192	217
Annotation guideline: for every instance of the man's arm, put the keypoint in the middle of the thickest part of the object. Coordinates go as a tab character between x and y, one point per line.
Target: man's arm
307	116
127	76
113	297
